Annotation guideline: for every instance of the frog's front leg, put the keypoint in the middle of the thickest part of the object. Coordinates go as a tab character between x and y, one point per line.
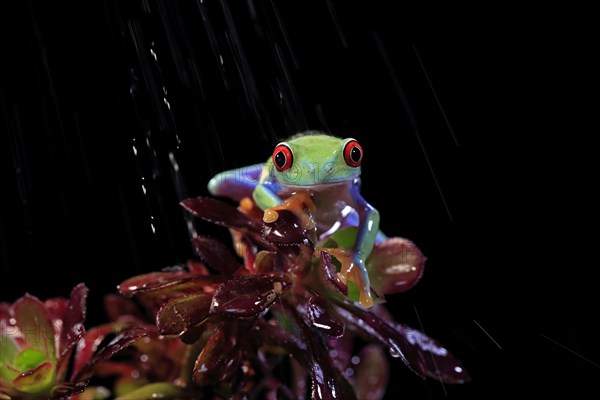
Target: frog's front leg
236	183
265	197
356	270
300	204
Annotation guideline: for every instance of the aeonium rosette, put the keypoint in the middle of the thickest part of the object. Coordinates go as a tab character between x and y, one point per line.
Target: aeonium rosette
45	351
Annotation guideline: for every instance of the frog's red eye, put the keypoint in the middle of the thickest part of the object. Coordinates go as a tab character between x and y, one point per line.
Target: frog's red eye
282	157
353	153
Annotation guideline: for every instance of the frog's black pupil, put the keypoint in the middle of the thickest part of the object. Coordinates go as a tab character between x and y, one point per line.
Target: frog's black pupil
280	159
355	154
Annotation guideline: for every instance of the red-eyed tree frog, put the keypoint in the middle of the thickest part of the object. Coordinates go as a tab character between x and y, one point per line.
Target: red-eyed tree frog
329	169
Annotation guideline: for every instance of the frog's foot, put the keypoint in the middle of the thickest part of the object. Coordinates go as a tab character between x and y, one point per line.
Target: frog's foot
353	269
300	204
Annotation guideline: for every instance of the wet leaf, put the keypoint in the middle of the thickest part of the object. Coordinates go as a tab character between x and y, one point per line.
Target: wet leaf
420	353
340	349
330	275
219	359
151	281
216	255
372	373
319	316
74	317
327	382
155	294
265	261
178	315
36	380
66	390
121	341
221	213
56	309
34	323
273	334
286	230
298	383
247	296
395	265
87	347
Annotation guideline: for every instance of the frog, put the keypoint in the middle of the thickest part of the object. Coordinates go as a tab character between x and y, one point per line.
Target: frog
328	168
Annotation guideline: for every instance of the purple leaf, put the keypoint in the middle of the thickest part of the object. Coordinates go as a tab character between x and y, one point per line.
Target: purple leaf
247	296
56	309
216	255
35	324
372	373
87	346
219	359
153	294
66	390
318	314
63	360
286	230
340	349
121	341
178	315
4	311
116	306
265	261
74	317
327	382
420	353
275	335
330	275
221	213
153	281
395	265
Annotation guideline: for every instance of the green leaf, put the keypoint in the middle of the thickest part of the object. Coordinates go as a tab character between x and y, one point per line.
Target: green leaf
36	381
8	351
345	237
162	390
29	359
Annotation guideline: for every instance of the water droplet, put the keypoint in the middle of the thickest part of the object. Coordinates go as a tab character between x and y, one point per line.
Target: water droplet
458	369
395	352
355	360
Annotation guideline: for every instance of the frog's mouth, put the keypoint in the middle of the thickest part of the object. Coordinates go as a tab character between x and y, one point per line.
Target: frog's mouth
319	186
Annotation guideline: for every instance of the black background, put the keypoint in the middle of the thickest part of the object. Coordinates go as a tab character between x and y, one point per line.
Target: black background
497	203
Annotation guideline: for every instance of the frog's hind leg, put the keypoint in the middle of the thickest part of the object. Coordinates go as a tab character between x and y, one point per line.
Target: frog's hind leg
381	237
236	183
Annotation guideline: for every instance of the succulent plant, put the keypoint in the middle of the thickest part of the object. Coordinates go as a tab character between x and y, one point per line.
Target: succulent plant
45	351
258	327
